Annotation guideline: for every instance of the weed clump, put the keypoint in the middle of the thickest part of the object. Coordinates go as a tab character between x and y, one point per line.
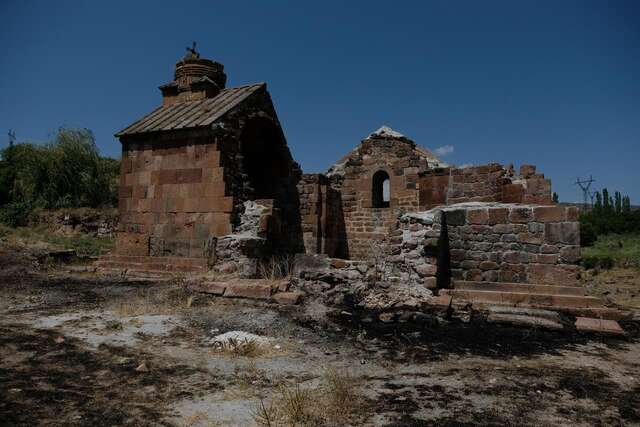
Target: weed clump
336	401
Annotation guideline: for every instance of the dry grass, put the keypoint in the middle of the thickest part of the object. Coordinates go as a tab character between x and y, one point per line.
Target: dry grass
155	301
276	268
200	419
337	401
46	238
242	348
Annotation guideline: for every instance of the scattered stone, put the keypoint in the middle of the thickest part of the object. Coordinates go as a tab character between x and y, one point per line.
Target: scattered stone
288	298
238	337
142	367
527	321
588	324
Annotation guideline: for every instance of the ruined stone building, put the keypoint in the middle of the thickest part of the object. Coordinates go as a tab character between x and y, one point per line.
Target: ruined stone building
207	181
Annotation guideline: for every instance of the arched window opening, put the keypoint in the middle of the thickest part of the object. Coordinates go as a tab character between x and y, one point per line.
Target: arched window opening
381	190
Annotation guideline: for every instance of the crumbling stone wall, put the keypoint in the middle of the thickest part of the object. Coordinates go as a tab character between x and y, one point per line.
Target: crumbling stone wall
476	184
96	222
494	242
388	152
487	183
414	248
322	218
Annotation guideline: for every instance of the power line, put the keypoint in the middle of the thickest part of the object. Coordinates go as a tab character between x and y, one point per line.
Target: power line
584	186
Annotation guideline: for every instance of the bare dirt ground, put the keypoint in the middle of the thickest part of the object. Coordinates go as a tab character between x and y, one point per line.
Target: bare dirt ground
81	350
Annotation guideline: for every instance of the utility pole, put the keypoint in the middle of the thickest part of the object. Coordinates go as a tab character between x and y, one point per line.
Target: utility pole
584	186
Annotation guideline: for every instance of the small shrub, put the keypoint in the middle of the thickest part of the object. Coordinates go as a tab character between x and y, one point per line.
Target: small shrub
603	262
613	250
15	214
588	234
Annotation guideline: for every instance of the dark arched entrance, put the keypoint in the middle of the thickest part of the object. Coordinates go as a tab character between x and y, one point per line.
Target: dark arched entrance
266	159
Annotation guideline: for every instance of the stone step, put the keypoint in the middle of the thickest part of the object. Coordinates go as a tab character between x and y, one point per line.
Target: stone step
602	326
257	289
173	260
523	311
540	310
519	287
146	275
526	299
149	266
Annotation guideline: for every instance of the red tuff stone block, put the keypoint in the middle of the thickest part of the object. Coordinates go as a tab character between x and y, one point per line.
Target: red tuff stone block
215	288
520	215
498	216
552	274
288	298
527	171
215	204
338	263
214	189
126	166
185	176
549	214
191	204
512	193
588	324
478	216
167	176
220	228
572	213
125	192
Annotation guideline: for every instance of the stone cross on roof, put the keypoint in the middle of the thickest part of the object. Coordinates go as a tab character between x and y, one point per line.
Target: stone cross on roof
191	52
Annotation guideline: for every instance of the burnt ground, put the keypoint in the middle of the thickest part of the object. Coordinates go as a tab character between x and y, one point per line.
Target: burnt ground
81	350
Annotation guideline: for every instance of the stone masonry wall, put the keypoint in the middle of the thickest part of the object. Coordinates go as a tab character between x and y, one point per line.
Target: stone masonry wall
515	243
323	227
172	196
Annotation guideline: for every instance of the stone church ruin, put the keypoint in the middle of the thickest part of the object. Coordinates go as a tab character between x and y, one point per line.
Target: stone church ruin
208	183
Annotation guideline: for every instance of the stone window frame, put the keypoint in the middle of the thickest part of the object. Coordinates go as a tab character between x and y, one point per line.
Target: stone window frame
377	188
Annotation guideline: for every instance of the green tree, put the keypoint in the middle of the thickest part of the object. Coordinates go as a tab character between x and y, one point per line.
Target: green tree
556	199
606	201
598	204
66	172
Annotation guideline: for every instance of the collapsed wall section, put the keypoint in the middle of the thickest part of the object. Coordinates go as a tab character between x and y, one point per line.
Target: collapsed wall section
377	181
486	183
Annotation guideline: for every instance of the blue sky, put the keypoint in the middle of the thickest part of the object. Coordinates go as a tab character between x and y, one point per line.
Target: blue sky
552	83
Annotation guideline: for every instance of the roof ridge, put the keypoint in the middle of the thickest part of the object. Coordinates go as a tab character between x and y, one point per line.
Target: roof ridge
244	86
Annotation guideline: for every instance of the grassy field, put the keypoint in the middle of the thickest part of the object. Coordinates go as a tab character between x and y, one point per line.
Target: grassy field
613	250
42	236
